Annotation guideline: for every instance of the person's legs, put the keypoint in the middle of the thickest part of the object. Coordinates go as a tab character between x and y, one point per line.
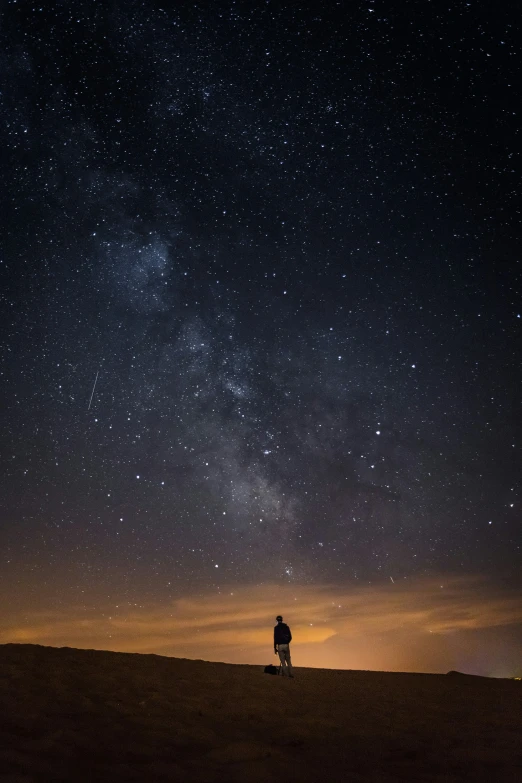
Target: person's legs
289	662
283	652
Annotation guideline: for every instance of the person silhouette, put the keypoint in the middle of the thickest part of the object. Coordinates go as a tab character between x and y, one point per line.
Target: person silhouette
282	639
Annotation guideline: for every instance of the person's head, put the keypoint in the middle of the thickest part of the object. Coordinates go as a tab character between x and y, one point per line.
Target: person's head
279	618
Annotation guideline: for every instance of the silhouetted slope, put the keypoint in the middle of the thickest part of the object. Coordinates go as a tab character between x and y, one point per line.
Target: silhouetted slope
86	715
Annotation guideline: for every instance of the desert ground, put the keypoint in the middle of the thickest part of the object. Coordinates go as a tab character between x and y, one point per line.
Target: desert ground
88	715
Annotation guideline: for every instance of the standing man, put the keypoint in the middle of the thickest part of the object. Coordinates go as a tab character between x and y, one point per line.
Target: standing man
282	639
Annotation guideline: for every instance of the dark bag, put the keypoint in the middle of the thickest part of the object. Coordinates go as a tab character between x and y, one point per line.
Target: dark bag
271	669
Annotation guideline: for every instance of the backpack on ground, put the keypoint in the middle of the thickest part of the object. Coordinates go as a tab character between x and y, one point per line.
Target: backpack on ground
271	669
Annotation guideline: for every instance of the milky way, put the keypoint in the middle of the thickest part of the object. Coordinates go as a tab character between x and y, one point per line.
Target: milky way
279	248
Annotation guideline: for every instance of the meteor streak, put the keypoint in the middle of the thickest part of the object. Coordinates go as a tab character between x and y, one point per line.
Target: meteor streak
93	388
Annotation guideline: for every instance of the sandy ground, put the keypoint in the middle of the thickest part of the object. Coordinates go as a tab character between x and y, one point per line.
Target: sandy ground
86	715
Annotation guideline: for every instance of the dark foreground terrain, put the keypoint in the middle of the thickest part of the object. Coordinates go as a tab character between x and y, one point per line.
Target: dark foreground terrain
84	715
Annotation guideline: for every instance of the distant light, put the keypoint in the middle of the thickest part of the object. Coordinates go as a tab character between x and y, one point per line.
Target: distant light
377	432
413	366
216	566
137	477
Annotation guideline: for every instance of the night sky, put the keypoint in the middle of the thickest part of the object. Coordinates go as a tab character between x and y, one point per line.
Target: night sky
260	330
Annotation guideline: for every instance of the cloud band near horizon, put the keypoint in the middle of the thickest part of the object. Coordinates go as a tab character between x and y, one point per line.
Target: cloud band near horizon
341	627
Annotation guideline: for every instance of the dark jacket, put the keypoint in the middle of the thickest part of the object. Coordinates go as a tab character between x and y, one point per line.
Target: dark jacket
282	634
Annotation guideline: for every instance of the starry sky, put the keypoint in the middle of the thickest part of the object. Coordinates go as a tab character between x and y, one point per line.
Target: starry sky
260	329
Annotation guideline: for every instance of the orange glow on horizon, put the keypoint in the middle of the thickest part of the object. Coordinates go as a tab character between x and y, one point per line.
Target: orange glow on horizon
426	625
